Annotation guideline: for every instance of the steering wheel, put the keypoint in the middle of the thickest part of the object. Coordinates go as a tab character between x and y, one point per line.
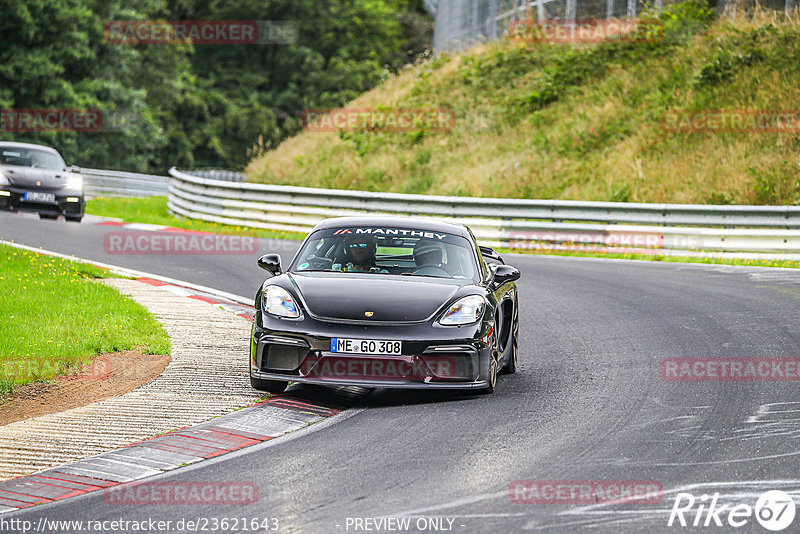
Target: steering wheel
432	270
460	273
318	263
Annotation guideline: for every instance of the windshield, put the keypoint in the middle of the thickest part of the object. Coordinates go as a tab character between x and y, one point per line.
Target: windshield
31	157
394	251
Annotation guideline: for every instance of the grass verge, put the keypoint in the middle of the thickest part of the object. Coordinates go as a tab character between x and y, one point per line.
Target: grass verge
56	317
153	210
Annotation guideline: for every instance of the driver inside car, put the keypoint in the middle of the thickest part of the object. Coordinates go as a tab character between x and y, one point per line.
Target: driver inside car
428	255
361	251
34	160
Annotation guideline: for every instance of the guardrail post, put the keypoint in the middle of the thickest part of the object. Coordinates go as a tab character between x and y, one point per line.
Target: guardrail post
571	10
474	20
492	21
540	9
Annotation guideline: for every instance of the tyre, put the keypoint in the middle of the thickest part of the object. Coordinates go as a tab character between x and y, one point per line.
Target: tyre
492	377
493	356
51	216
271	386
74	218
510	366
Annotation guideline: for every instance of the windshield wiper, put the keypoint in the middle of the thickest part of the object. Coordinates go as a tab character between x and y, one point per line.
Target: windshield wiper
425	275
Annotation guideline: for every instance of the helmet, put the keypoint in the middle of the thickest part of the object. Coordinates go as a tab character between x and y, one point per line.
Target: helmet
426	246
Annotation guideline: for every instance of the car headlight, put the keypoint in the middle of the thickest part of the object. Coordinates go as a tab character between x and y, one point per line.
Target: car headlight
464	311
74	181
277	301
4	180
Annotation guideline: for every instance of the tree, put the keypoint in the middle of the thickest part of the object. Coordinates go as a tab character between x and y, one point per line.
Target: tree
193	105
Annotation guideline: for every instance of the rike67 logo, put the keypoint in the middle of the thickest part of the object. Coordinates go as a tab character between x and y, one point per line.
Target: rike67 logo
774	511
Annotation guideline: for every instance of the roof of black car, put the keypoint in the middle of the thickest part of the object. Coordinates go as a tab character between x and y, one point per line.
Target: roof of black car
413	223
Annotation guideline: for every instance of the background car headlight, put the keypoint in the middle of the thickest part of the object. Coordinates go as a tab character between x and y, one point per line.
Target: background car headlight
464	311
277	301
4	180
74	181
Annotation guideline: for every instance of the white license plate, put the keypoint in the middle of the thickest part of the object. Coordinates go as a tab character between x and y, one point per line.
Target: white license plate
366	346
35	196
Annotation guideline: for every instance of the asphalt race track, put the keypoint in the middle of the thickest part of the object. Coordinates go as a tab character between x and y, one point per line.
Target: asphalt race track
587	404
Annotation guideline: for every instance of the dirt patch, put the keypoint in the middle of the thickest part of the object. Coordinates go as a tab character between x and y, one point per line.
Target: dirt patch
109	375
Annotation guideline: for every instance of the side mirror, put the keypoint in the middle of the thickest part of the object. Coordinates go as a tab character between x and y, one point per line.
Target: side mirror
74	168
505	273
271	263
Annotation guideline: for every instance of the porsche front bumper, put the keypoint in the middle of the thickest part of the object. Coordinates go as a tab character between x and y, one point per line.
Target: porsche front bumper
65	202
433	356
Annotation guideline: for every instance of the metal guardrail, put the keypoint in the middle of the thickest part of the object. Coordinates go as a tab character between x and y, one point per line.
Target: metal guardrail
219	174
103	183
498	221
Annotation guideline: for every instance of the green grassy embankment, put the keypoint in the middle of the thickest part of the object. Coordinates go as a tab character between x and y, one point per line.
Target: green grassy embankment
56	317
578	121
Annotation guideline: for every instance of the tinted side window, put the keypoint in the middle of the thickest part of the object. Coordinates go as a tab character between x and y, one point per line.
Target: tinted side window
484	269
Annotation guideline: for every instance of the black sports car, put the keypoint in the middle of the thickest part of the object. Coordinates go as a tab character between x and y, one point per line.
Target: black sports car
35	178
386	302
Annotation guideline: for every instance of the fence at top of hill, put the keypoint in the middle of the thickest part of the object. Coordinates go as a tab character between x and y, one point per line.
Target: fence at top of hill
461	23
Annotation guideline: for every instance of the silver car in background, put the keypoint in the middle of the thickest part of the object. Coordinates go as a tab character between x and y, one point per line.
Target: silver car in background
35	178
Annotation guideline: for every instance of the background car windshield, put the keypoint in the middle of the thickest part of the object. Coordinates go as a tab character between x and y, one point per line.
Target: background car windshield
31	157
393	251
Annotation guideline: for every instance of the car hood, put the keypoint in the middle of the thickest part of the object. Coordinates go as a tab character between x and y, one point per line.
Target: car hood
29	176
390	298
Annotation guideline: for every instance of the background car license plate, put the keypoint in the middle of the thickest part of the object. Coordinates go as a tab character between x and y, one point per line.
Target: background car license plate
35	196
366	346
